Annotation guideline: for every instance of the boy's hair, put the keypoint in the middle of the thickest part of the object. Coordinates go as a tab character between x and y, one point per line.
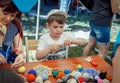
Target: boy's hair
56	15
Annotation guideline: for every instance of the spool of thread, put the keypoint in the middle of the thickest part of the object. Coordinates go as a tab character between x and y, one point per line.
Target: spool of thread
31	77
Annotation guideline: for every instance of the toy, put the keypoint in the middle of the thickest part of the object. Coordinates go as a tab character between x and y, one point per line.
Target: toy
89	59
21	69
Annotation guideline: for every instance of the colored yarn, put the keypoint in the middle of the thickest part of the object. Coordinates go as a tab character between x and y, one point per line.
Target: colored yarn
21	69
99	81
30	78
38	79
61	74
44	76
79	66
47	81
32	72
102	75
108	77
66	71
80	69
81	79
54	73
72	80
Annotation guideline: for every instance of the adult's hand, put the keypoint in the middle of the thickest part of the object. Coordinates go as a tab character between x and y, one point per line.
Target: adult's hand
20	59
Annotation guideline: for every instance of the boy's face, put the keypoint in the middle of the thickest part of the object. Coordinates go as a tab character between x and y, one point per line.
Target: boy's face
56	29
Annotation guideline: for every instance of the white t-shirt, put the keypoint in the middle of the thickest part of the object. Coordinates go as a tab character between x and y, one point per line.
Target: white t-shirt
46	40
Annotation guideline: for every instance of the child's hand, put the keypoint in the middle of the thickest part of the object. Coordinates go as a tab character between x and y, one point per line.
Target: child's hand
68	42
55	47
2	59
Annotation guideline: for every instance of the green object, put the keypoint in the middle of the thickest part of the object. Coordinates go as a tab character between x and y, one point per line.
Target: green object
54	73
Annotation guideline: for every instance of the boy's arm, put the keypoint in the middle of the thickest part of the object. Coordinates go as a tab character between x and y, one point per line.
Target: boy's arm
115	5
80	41
43	53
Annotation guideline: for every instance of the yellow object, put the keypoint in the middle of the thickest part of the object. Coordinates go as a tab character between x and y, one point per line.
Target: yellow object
79	66
21	69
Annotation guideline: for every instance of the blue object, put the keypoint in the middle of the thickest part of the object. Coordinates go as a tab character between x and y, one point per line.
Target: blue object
66	71
32	72
25	5
117	43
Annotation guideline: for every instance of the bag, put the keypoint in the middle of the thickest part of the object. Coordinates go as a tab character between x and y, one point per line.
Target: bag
115	5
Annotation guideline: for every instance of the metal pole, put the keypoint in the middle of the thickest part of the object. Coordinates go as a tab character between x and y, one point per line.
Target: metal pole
37	24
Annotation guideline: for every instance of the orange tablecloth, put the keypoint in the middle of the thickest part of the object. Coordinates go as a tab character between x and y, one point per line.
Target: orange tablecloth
69	63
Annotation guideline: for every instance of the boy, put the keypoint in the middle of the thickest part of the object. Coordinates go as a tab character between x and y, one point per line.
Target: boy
54	44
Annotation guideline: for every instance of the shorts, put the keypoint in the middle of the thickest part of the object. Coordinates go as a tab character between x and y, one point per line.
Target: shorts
101	33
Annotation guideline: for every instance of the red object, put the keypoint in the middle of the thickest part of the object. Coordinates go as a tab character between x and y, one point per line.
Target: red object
94	63
81	80
31	77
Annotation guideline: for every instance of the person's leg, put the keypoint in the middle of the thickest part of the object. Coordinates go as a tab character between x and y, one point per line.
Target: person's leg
92	41
91	44
103	40
103	50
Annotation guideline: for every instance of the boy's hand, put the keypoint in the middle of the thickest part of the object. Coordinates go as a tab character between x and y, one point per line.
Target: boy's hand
2	59
68	42
55	47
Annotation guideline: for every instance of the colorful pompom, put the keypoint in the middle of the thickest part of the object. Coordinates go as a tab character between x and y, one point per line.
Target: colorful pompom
31	77
32	72
21	69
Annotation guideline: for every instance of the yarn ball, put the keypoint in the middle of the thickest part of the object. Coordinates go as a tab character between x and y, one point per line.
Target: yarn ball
32	72
44	76
106	81
79	66
38	79
61	74
72	80
59	80
31	77
102	75
47	81
81	79
80	69
54	73
66	71
99	81
108	77
21	69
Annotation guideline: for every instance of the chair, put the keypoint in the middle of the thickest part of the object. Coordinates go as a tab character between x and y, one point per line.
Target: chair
31	44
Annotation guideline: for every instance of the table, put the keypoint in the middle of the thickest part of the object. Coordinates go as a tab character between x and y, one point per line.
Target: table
69	63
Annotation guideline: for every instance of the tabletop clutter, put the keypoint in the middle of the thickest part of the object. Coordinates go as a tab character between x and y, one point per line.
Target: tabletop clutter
41	73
